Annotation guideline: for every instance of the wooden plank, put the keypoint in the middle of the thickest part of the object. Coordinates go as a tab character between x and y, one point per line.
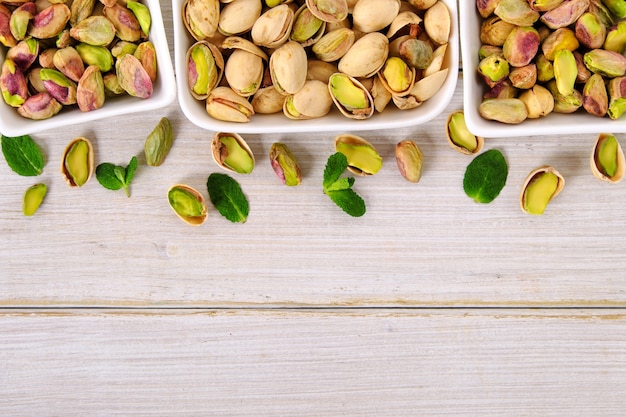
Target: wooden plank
312	363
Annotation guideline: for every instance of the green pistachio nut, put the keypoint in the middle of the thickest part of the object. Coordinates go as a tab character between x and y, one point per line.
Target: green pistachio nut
49	22
99	56
305	26
159	142
590	31
24	54
231	152
68	61
608	63
409	159
545	68
33	197
503	110
39	106
188	204
521	46
616	38
122	48
494	69
517	12
562	38
595	96
20	18
565	71
363	158
606	155
90	90
605	16
351	96
417	53
285	165
94	30
142	13
565	14
127	27
59	86
564	103
617	108
112	86
617	7
132	76
544	5
13	84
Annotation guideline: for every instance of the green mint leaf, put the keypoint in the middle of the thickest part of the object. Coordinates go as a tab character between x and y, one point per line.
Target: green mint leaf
336	164
348	201
130	170
341	184
485	176
227	197
120	173
107	177
22	155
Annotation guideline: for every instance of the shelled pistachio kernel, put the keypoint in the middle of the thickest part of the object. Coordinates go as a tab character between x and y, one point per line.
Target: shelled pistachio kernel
540	187
33	197
459	136
78	162
232	153
188	204
285	165
409	159
363	159
159	142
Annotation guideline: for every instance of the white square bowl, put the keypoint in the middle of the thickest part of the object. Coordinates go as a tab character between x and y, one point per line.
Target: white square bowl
474	88
391	117
164	93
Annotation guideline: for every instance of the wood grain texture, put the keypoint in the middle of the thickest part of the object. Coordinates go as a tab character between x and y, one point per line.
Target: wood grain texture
424	244
313	363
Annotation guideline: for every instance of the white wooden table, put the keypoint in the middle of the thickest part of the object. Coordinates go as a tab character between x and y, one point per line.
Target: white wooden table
429	304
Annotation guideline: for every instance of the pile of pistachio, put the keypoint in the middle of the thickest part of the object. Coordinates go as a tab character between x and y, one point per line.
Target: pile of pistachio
74	54
543	56
300	58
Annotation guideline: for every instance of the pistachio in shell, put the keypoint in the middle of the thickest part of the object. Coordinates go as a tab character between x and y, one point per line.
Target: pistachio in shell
350	96
363	158
205	67
77	163
188	204
244	72
366	56
231	152
239	16
334	45
409	159
397	76
374	15
329	10
201	17
267	101
539	189
607	159
438	23
288	67
224	104
306	29
273	27
312	101
459	136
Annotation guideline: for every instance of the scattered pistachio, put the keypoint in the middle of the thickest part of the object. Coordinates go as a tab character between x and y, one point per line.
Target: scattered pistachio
159	142
232	153
78	162
607	159
363	158
409	159
33	197
285	165
459	136
540	187
188	204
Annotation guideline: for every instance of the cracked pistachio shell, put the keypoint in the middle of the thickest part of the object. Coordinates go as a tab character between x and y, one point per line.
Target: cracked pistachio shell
306	29
205	67
68	61
311	101
438	23
81	9
406	22
350	96
288	67
13	84
329	10
273	27
428	86
201	17
39	106
397	76
539	189
224	104
99	56
77	163
188	204
20	18
363	158
267	101
94	30
142	13
607	159
24	54
539	101
334	45
459	136
380	95
238	16
494	31
146	54
6	37
595	96
438	61
565	14
132	76
90	90
126	25
517	12
409	159
159	142
231	152
285	165
59	86
244	72
33	197
49	22
237	42
504	110
521	46
590	31
374	15
366	56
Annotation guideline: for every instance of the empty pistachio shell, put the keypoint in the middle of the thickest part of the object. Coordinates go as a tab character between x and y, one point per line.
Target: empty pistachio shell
159	142
77	163
238	16
94	30
133	77
142	13
504	110
50	21
380	94
539	188
428	86
438	61
539	101
405	22
231	152
288	67
68	61
328	10
285	165
59	86
409	159
438	23
273	27
459	136
363	158
13	84
374	15
607	159
39	106
33	197
188	204
320	70
366	56
311	101
127	26
201	17
350	96
205	67
90	90
224	104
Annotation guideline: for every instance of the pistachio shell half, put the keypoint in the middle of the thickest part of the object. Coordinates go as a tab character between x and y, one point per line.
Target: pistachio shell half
539	188
363	158
188	204
607	159
77	163
231	152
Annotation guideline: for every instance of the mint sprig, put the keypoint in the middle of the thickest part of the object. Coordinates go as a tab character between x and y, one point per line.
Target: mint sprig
339	189
226	195
114	177
23	155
